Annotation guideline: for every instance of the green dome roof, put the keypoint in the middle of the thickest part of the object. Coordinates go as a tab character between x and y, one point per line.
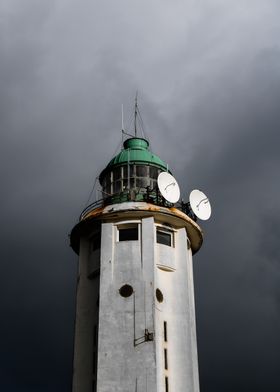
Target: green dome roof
136	150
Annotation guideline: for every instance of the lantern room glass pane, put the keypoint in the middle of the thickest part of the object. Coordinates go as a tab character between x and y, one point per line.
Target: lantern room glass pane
152	184
132	170
141	182
125	171
117	172
125	184
107	184
154	172
141	171
117	187
130	176
107	190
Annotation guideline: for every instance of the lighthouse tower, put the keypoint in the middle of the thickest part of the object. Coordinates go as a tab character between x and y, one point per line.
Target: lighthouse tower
135	318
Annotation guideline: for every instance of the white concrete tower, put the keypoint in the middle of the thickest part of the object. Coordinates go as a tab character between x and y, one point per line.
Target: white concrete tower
135	317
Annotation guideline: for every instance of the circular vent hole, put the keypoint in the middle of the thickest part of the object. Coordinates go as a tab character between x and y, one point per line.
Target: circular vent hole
126	290
159	295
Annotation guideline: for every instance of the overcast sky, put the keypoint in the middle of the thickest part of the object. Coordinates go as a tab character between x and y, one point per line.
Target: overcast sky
208	78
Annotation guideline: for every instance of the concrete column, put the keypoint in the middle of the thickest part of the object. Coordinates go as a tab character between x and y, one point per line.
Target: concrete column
148	261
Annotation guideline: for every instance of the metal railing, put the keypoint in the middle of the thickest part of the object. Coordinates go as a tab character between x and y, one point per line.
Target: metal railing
91	207
144	194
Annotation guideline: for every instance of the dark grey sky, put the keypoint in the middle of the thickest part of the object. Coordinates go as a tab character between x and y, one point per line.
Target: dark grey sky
208	76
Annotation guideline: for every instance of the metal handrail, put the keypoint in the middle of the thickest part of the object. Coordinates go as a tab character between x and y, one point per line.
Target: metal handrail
90	207
149	196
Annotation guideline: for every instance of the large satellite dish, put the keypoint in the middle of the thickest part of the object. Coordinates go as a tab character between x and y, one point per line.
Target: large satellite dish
168	187
200	204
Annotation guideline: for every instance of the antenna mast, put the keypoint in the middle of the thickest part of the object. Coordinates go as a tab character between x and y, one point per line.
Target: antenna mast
122	119
135	114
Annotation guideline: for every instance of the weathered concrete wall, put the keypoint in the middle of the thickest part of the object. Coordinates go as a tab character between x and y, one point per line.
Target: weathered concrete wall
122	365
127	362
177	311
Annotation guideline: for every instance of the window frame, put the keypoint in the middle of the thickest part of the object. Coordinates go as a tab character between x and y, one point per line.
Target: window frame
127	225
165	230
126	177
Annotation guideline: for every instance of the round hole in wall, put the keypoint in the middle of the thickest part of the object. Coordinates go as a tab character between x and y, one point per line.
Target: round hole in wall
159	295
126	290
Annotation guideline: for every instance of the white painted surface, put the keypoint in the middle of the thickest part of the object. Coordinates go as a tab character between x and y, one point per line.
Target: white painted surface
122	365
176	311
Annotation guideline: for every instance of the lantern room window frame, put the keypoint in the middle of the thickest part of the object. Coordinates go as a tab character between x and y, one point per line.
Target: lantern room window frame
120	179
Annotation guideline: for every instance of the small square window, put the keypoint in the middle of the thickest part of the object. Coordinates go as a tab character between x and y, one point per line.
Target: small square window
128	232
164	237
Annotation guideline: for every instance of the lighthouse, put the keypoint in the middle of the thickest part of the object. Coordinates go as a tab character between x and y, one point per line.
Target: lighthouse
135	313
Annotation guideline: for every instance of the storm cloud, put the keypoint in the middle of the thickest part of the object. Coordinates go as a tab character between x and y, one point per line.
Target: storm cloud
208	81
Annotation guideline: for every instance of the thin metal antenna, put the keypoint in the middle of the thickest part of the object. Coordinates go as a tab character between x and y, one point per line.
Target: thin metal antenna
122	125
135	114
122	119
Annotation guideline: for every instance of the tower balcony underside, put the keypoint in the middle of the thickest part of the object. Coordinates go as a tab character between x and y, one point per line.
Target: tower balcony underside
136	210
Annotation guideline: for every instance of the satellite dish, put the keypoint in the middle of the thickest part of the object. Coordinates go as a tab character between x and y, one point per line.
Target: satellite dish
200	204
168	187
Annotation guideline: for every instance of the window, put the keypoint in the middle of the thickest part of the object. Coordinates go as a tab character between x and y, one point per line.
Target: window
165	330
159	295
128	232
125	184
117	173
165	359
142	182
166	384
129	176
124	171
154	171
132	182
117	186
164	237
106	185
141	171
126	290
153	184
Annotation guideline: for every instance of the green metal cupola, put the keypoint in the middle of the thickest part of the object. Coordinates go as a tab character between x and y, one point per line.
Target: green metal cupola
135	151
132	173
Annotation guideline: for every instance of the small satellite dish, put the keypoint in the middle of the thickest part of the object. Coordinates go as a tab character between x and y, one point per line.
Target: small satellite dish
168	187
200	204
